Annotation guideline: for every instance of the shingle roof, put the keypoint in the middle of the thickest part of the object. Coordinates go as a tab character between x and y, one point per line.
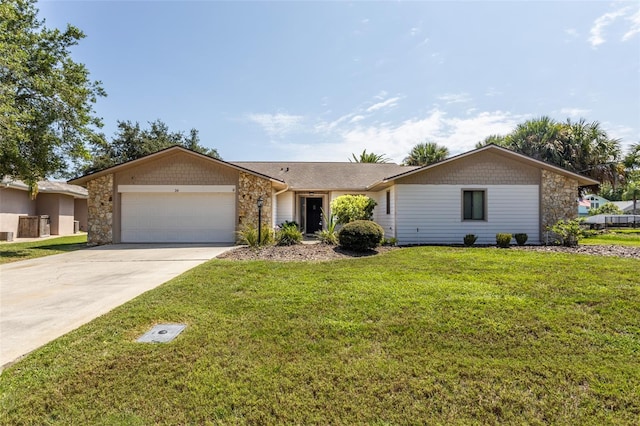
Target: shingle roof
326	176
49	187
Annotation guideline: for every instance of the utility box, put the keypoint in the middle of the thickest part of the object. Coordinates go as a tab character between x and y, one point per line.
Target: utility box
6	236
34	226
76	226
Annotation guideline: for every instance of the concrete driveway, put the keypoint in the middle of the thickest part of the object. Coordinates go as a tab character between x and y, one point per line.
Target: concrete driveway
42	299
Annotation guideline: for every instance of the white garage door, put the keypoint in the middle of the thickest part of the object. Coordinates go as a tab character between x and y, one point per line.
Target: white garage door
183	217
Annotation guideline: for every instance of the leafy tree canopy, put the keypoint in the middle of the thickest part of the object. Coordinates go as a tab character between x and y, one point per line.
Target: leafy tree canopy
132	142
426	153
578	146
348	208
368	157
608	208
46	112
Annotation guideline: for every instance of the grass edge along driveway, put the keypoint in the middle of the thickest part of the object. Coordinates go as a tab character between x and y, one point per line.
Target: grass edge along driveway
427	335
14	252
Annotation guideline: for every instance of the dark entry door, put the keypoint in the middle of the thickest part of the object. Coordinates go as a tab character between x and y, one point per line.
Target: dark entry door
314	215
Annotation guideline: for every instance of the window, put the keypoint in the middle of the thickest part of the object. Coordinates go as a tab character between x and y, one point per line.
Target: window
388	202
473	205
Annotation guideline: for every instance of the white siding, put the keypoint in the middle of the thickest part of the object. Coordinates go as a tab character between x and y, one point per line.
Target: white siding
380	216
285	207
432	214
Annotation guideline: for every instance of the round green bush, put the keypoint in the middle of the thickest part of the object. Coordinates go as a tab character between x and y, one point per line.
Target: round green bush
360	235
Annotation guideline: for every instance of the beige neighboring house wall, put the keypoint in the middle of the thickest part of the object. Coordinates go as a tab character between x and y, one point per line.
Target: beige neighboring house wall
13	204
60	209
55	199
80	213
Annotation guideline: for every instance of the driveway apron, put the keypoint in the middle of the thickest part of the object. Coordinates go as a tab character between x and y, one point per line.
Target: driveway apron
42	299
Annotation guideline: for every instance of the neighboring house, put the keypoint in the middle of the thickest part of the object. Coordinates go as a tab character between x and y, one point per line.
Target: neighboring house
627	206
595	201
62	202
583	207
177	195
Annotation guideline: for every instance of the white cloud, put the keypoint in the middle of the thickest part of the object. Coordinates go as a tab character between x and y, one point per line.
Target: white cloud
575	112
455	98
492	91
635	26
389	103
395	139
572	32
414	31
601	23
357	118
276	124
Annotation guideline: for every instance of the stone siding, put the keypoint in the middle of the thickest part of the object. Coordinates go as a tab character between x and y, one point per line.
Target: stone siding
558	195
100	210
484	168
250	188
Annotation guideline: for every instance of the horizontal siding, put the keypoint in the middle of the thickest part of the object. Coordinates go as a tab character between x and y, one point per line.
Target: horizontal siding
380	215
431	214
284	207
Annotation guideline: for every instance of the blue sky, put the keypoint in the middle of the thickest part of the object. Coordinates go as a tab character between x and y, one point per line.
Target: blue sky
317	81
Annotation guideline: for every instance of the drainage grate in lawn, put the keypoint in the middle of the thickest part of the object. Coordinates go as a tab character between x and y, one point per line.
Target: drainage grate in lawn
162	333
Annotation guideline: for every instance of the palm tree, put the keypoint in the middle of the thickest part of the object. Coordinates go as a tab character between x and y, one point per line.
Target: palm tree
368	157
426	153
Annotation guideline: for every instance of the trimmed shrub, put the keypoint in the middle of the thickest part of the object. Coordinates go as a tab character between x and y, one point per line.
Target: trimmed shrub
521	239
503	240
470	239
361	235
288	234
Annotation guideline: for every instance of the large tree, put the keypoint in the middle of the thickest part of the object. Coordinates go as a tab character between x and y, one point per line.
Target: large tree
132	142
426	153
580	146
46	99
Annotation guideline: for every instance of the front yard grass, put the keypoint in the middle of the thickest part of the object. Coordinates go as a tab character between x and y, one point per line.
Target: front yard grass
620	237
13	252
428	335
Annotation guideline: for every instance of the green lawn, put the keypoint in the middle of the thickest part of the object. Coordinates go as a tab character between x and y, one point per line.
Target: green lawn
428	335
620	237
13	252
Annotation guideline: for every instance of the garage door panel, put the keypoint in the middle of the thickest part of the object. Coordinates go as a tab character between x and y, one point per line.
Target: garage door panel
177	217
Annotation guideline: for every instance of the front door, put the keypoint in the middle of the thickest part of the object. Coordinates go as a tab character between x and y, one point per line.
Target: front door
314	215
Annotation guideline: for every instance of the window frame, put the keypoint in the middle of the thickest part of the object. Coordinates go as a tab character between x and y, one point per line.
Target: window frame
388	199
484	192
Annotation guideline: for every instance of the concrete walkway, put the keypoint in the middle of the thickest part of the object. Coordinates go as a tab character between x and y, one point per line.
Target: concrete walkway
42	299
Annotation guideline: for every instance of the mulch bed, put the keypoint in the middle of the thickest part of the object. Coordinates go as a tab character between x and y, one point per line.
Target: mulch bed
324	252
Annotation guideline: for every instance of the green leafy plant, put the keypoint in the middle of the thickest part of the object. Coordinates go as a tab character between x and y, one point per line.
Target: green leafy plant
390	241
361	235
329	235
521	239
288	234
608	208
568	232
348	208
503	240
249	236
470	239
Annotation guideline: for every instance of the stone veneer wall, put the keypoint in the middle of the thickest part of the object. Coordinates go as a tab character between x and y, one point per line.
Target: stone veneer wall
558	195
100	210
250	188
